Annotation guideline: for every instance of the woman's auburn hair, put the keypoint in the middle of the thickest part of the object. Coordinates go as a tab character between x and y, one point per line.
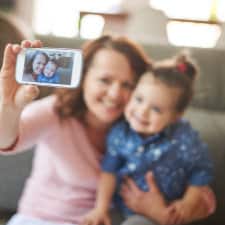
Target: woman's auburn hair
70	103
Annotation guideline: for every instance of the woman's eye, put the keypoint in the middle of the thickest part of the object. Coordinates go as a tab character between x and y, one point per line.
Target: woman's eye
128	86
105	80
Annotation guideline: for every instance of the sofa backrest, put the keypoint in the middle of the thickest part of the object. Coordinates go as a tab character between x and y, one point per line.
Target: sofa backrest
13	30
210	85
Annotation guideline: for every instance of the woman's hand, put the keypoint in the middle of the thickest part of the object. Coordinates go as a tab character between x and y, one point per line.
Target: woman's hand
13	97
197	203
150	204
11	92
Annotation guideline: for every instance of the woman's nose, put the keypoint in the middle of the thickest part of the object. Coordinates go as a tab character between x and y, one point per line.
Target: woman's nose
114	91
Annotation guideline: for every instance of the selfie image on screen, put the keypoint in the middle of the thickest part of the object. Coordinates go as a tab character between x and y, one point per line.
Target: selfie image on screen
48	66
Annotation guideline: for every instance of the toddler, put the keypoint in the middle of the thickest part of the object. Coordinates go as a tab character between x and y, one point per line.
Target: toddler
155	138
49	74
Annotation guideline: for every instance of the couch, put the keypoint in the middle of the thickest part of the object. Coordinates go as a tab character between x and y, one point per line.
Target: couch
206	113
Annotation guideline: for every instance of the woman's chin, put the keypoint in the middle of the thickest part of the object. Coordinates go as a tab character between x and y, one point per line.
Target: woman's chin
111	115
109	119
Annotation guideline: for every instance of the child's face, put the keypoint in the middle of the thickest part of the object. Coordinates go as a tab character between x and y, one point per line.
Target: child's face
38	63
152	106
49	69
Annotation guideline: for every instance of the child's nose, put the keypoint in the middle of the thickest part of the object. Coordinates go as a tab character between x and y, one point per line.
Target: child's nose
144	110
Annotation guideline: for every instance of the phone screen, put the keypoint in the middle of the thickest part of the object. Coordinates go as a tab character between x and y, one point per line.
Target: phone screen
51	67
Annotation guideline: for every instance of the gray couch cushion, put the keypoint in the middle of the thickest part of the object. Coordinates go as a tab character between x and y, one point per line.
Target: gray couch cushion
14	169
211	125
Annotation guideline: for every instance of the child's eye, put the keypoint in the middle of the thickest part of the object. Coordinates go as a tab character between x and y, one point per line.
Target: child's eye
138	99
156	109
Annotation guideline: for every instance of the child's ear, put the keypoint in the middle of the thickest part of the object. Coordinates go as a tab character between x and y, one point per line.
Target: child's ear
178	115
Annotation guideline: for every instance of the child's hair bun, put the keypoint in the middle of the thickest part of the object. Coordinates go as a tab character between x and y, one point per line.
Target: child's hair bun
185	65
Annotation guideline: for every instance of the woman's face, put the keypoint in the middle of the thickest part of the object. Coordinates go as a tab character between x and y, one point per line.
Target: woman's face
107	87
39	63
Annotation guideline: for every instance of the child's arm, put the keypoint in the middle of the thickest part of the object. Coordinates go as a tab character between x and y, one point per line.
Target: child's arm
189	207
105	191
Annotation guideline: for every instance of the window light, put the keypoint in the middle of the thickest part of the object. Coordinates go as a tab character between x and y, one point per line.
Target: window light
51	17
191	9
194	34
91	26
61	17
221	11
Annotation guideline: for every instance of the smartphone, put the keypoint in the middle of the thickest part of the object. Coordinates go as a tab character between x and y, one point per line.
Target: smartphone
49	67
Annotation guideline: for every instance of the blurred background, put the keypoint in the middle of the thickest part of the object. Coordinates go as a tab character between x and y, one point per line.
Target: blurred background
162	27
173	22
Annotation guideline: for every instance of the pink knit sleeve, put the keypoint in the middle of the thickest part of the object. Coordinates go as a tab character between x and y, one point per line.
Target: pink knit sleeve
36	121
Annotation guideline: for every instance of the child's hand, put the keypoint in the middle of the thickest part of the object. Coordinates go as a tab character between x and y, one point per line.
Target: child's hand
96	217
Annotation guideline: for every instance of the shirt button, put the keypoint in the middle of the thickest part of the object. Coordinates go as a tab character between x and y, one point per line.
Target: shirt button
140	149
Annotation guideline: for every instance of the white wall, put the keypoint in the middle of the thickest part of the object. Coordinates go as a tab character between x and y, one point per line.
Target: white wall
144	24
24	9
149	26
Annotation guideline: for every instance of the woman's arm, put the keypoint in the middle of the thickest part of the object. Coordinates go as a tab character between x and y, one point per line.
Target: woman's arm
152	205
197	203
14	97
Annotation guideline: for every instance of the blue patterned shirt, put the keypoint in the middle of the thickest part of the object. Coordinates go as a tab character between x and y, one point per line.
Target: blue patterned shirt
177	157
53	79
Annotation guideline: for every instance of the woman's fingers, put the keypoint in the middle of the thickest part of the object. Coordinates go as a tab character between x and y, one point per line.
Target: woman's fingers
209	200
174	216
125	193
9	59
131	185
36	44
124	189
16	48
171	216
26	44
151	183
31	44
25	94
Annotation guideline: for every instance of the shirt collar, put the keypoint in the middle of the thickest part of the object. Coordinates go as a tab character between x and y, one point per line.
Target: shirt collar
167	132
147	140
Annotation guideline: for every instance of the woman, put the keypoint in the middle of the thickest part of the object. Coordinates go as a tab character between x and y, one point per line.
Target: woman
34	66
69	127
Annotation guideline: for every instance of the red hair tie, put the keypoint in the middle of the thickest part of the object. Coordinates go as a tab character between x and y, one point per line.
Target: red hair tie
182	67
